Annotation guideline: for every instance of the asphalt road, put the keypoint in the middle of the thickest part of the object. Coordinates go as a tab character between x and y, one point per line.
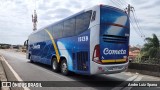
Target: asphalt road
40	72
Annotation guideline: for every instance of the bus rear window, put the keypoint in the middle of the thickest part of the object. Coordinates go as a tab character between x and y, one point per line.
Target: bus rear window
113	16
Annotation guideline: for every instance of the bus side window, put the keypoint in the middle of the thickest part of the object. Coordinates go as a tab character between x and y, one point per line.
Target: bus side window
29	40
83	21
87	18
42	35
33	38
50	29
69	27
79	24
46	36
93	16
57	30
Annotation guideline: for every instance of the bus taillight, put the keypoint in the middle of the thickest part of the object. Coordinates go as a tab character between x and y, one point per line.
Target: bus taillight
96	54
127	59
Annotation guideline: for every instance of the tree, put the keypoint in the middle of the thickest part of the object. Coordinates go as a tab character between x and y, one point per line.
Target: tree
151	47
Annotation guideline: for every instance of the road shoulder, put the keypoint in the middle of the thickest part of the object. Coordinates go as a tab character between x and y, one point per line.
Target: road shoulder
11	75
3	76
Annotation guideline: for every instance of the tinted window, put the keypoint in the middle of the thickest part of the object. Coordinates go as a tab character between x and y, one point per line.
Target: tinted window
57	31
82	22
110	15
113	22
33	38
69	27
46	35
87	17
30	39
50	29
79	24
37	37
41	35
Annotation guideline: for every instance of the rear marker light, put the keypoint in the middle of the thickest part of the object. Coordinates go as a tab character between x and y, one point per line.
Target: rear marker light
100	68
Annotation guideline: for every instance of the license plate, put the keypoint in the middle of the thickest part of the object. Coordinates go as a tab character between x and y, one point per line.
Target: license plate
115	68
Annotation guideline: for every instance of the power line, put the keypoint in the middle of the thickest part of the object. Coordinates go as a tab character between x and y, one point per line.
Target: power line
134	27
128	9
131	22
123	3
137	23
115	3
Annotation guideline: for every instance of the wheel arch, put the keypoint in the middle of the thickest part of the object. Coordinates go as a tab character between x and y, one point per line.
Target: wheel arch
61	58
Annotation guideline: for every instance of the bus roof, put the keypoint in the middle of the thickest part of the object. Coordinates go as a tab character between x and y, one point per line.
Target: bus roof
107	6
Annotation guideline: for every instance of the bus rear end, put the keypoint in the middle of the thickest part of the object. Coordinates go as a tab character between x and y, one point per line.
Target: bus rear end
110	55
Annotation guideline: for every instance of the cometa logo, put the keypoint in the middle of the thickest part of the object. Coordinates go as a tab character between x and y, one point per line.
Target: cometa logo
106	51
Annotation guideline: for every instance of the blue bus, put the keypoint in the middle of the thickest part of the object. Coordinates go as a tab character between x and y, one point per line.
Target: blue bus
93	41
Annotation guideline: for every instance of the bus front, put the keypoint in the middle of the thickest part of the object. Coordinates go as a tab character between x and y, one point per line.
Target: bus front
110	54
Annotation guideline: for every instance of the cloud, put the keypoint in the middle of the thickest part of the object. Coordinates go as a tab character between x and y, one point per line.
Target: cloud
62	11
45	17
73	4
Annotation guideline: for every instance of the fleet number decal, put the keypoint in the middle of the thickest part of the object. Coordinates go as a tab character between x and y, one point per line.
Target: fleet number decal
83	39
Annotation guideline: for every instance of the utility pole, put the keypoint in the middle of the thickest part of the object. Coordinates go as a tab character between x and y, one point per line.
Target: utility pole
129	9
34	20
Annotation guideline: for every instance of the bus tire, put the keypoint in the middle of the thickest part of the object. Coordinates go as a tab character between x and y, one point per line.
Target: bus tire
64	67
55	66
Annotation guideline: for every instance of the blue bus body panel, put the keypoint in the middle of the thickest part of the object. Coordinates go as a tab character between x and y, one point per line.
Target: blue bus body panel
114	34
67	47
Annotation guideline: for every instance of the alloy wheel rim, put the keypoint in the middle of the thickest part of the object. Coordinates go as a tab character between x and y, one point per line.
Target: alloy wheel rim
64	67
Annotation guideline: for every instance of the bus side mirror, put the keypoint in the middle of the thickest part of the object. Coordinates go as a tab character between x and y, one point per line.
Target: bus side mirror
26	43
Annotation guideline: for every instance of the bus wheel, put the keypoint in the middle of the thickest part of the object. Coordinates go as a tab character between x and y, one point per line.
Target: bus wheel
55	66
64	67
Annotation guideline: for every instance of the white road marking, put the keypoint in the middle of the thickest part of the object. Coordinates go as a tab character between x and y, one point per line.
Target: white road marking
128	73
43	70
137	79
119	87
15	74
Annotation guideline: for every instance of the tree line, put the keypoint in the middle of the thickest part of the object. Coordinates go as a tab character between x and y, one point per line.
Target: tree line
4	46
150	53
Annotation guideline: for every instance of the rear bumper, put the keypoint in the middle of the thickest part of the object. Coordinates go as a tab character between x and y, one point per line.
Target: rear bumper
108	69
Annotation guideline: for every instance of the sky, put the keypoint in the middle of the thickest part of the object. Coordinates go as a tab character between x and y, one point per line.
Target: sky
16	20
